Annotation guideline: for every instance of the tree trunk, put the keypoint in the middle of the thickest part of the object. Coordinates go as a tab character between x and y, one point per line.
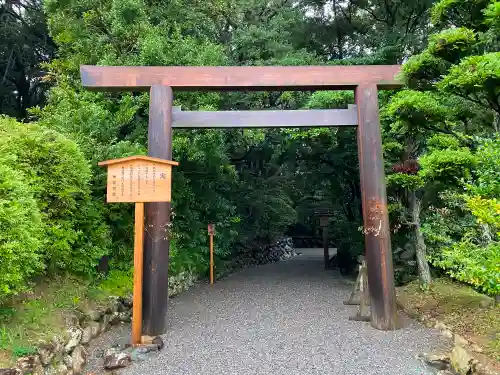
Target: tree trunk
424	271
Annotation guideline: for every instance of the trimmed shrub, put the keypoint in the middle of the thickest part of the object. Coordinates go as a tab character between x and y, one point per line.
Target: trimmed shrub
74	236
20	229
473	264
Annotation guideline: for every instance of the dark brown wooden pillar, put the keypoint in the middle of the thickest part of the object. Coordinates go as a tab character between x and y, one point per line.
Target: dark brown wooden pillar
157	217
375	216
326	252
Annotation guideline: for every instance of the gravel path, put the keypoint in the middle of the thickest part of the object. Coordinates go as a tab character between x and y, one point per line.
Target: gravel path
283	318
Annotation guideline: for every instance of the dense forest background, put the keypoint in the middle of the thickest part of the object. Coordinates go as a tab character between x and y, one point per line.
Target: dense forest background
441	132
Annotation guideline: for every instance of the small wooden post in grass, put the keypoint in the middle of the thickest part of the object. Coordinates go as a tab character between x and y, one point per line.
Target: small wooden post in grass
211	234
138	179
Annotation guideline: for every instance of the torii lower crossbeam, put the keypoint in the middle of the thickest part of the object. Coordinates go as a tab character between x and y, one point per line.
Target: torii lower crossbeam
365	80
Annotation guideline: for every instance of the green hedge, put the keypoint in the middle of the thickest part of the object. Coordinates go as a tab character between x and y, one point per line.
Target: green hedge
48	218
475	265
20	230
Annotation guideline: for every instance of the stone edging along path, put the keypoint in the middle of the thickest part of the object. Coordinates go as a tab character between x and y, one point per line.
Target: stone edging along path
66	354
464	359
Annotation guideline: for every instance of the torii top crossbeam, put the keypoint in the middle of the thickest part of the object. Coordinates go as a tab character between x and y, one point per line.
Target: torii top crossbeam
239	78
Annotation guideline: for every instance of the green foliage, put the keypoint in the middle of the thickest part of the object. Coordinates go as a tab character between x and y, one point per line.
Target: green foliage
442	142
459	13
473	264
330	99
447	165
452	44
487	211
25	45
406	181
476	78
486	181
465	234
492	15
73	236
20	230
410	109
422	71
117	283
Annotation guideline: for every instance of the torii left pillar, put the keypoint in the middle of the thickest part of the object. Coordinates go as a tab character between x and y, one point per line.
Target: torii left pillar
157	217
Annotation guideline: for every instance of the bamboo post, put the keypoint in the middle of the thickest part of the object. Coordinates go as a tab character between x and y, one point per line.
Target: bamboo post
138	270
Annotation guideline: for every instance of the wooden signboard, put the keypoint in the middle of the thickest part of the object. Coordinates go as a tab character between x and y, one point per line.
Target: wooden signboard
138	179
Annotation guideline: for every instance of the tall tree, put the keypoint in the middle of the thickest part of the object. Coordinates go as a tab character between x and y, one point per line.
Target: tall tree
24	47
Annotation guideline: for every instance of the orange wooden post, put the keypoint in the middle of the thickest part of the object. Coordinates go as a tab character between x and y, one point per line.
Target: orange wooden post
211	259
211	233
138	270
138	179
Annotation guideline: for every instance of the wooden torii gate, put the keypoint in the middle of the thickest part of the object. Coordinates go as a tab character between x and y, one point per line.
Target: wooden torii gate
160	81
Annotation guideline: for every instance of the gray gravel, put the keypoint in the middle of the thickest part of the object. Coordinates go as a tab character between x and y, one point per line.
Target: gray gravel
282	318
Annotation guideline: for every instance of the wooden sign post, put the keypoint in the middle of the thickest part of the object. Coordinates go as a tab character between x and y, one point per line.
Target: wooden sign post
211	234
323	222
138	179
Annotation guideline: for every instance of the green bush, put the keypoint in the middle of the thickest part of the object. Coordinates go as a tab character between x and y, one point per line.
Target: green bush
20	229
73	234
473	264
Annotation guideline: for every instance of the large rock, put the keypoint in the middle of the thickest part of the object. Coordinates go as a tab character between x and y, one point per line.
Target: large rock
68	361
461	361
73	319
61	369
122	307
115	318
95	329
105	322
114	305
125	316
46	353
93	315
56	370
460	340
483	369
75	335
30	365
117	360
111	351
158	341
58	345
127	302
143	352
79	358
438	361
86	335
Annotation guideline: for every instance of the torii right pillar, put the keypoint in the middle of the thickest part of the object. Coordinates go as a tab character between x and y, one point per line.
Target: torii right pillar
378	252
